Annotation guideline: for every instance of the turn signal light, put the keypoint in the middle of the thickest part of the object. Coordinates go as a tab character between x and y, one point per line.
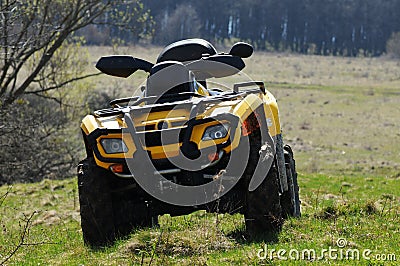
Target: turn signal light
117	168
213	156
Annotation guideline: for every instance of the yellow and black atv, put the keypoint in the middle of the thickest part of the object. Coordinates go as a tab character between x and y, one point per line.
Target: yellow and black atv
195	138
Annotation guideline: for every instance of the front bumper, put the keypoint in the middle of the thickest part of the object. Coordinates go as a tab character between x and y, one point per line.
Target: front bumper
167	145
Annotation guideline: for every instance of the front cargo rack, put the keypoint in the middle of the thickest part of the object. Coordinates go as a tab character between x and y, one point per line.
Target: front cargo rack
179	99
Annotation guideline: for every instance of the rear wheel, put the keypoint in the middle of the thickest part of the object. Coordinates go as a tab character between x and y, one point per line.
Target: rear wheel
290	201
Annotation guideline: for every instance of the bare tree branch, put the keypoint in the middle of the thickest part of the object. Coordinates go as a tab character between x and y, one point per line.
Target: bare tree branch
23	238
23	235
4	197
63	84
32	28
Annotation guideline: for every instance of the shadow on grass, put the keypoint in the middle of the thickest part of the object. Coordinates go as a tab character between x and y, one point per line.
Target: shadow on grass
243	237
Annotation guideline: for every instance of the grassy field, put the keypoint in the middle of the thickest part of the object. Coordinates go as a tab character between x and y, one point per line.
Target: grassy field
339	114
363	212
341	117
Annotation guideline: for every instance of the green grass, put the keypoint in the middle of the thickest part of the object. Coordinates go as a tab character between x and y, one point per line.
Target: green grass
362	210
341	117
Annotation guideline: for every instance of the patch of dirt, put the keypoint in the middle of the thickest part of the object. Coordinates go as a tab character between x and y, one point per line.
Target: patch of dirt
330	196
48	218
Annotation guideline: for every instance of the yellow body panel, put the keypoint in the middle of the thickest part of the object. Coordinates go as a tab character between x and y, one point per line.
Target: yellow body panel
155	117
103	164
272	113
89	124
252	102
239	107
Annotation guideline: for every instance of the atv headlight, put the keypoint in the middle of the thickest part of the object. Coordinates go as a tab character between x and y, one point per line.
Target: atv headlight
216	132
113	145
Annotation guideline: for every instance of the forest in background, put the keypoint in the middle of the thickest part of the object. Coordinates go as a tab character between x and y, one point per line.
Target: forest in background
322	27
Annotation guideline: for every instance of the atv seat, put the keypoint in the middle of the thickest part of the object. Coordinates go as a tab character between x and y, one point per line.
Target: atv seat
186	50
168	78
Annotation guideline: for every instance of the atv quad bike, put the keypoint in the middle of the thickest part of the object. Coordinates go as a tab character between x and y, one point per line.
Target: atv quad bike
185	143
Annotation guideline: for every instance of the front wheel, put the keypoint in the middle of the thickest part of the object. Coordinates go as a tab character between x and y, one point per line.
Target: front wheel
97	219
263	213
108	209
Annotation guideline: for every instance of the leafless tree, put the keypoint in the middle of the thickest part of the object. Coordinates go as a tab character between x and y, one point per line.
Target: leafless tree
39	54
32	31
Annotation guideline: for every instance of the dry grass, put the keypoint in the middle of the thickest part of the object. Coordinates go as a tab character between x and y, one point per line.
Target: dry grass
339	72
340	114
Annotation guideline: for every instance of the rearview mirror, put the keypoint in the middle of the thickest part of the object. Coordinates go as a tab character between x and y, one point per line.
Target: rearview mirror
241	49
216	66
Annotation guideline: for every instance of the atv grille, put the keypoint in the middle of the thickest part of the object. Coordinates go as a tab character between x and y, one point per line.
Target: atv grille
152	127
178	123
169	136
149	127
